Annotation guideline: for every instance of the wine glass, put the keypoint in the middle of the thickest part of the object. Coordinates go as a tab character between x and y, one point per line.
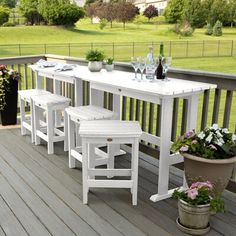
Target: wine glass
135	65
142	66
166	66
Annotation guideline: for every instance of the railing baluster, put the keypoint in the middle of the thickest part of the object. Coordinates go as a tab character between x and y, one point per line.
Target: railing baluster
131	109
151	118
228	104
124	105
205	109
184	116
137	115
175	119
144	116
110	101
216	106
158	125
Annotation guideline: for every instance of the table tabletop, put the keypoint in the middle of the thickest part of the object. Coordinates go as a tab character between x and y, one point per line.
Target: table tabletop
124	80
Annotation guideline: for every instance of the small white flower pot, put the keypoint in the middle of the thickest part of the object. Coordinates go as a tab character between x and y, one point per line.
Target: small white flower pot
109	67
95	66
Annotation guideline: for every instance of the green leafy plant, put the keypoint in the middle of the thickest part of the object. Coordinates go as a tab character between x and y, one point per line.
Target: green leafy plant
95	55
211	143
109	61
209	29
102	24
201	193
6	76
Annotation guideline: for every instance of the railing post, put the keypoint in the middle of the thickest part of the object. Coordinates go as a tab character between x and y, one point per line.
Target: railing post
113	50
170	53
203	47
133	49
187	49
218	50
19	50
232	48
45	48
69	49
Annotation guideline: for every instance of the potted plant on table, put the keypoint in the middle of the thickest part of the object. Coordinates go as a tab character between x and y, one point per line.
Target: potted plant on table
195	205
8	95
109	66
208	155
95	58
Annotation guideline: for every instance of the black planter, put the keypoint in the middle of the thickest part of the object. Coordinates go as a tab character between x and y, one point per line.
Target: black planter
9	113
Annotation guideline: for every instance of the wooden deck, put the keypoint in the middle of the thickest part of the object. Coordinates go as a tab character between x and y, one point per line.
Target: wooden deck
40	195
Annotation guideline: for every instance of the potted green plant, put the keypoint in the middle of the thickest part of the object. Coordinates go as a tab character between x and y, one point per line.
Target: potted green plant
95	58
195	205
8	95
208	155
109	66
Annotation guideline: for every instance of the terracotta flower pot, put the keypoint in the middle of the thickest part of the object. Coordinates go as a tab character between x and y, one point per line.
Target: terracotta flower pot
218	171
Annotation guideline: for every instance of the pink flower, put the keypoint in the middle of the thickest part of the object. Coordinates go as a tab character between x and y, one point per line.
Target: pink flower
192	193
198	185
184	148
189	134
194	142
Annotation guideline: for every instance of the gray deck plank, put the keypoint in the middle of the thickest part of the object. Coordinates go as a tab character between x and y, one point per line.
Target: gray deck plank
40	208
134	216
67	215
30	222
101	226
7	220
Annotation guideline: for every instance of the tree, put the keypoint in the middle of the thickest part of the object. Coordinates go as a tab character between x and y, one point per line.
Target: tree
29	10
126	11
4	14
217	29
92	10
219	11
59	12
107	11
8	3
174	11
194	13
150	12
232	11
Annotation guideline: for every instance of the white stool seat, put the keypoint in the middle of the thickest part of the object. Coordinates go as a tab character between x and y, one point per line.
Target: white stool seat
25	96
89	113
52	104
74	116
111	132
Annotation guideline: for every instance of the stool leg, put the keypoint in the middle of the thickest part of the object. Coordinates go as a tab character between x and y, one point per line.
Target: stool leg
22	116
36	124
111	148
50	130
65	132
71	140
134	175
91	157
85	171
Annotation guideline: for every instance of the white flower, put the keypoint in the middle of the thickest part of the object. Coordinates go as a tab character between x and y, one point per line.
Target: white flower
225	130
219	135
0	72
222	140
201	135
10	72
218	142
209	138
234	137
215	127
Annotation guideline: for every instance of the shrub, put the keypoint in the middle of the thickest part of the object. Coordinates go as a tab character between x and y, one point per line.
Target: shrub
209	29
8	24
102	24
217	29
183	29
4	15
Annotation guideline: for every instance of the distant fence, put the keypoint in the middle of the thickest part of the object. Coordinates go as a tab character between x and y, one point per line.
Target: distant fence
123	51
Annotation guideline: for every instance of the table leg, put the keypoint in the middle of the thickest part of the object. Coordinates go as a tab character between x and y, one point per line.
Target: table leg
39	81
57	90
78	92
96	97
165	143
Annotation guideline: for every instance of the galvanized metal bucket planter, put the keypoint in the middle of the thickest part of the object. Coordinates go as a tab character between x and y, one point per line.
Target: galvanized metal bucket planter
193	219
217	171
109	67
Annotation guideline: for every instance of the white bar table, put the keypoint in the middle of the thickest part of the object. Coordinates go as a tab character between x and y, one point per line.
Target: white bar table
160	92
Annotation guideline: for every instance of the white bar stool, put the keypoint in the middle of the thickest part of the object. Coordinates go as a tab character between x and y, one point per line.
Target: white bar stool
111	132
74	116
27	123
51	104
